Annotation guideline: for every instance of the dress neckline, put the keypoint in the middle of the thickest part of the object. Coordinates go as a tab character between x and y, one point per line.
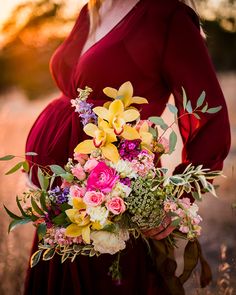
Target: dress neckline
122	20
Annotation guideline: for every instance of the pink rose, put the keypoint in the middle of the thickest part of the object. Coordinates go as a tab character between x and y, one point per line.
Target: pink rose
76	191
78	172
102	178
81	158
116	205
90	165
93	198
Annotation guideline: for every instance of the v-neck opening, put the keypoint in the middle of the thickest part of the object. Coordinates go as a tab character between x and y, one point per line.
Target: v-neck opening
109	32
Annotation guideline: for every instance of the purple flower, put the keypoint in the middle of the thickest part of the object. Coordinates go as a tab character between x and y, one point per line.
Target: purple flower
126	181
58	195
129	149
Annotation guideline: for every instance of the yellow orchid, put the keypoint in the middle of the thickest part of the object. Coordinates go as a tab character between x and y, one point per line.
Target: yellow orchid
125	94
146	136
103	136
80	225
117	118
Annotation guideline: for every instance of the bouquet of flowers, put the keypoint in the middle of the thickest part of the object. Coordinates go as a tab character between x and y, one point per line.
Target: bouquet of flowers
113	189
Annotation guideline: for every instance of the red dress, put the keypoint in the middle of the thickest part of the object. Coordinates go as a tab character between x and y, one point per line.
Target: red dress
157	46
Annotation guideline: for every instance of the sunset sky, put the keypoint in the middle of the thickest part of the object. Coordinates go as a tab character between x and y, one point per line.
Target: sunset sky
7	6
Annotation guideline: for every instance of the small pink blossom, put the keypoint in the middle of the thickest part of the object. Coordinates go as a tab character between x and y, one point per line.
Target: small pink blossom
76	191
185	202
90	165
78	172
102	178
170	206
65	184
81	158
93	198
184	229
116	205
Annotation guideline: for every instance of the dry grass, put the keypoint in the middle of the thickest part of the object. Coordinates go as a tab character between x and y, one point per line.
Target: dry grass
16	117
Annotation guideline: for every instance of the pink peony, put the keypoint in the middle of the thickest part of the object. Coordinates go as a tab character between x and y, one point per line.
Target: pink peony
102	178
78	172
90	165
76	191
81	158
93	198
116	205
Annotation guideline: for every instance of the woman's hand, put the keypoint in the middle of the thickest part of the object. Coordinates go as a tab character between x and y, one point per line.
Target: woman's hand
162	231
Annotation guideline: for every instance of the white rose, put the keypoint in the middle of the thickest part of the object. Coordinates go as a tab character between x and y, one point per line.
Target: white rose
124	168
98	213
109	243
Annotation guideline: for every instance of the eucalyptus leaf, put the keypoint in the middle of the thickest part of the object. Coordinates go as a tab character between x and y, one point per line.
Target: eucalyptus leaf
20	207
57	169
15	168
204	109
67	176
201	99
172	141
184	98
172	108
31	154
43	180
153	131
197	116
12	215
189	108
7	158
35	258
26	166
43	202
214	110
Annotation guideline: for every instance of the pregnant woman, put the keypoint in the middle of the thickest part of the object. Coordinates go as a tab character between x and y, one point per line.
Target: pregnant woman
157	45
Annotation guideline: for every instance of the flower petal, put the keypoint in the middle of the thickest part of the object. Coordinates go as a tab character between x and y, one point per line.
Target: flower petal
130	115
126	92
110	92
73	230
78	203
116	107
106	104
146	137
71	214
110	152
101	112
130	133
85	147
86	234
139	100
90	129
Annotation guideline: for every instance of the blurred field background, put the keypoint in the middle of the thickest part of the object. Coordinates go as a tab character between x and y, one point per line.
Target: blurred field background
29	33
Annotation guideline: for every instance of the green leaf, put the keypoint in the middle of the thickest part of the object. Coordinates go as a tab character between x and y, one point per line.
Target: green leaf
173	109
204	109
36	207
43	202
41	230
201	99
17	222
189	108
176	222
12	215
26	166
110	228
214	110
172	141
197	116
177	180
65	256
7	158
65	206
153	131
60	219
35	258
20	207
31	154
58	170
196	196
191	255
15	168
43	181
159	121
184	98
52	181
67	176
48	254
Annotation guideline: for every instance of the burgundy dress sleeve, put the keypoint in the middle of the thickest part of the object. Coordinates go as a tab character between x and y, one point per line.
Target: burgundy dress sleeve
187	64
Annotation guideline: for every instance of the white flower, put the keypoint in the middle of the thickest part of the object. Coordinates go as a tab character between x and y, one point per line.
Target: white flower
193	210
98	213
121	190
124	168
110	243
